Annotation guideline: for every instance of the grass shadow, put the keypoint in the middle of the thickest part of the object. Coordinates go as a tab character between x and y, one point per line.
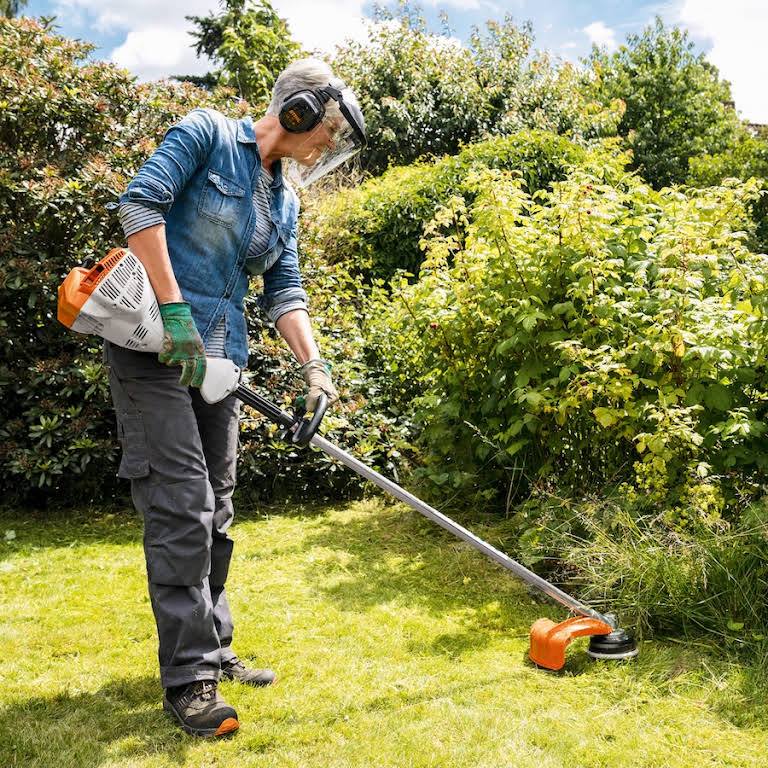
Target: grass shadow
121	721
396	555
33	531
22	532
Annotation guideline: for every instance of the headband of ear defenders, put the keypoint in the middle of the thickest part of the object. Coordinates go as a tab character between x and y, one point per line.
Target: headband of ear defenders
303	110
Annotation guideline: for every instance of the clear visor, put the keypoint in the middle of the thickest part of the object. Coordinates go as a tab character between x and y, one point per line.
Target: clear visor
325	147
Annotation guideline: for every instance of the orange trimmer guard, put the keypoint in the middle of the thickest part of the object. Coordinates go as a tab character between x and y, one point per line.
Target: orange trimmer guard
549	640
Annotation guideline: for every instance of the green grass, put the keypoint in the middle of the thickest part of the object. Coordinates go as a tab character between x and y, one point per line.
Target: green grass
395	645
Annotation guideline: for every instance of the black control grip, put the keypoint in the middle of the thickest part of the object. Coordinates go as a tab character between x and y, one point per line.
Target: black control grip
306	428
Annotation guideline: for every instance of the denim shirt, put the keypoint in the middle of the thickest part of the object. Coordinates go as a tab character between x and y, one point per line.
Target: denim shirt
201	180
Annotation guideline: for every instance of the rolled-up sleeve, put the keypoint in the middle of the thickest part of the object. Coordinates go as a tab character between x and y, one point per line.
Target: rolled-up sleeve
283	291
183	150
135	217
277	304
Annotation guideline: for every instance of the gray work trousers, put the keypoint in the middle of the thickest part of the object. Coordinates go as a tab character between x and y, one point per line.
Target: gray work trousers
180	455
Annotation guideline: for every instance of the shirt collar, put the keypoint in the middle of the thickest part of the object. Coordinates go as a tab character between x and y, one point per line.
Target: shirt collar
246	135
245	132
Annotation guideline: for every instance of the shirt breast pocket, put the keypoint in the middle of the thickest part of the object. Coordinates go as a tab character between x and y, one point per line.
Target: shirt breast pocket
221	199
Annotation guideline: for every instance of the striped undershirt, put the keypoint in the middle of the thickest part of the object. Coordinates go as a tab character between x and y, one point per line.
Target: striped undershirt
134	217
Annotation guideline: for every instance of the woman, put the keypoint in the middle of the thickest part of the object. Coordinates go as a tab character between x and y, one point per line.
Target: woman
209	209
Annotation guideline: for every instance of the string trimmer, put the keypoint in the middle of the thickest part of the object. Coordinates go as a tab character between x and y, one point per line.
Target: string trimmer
114	300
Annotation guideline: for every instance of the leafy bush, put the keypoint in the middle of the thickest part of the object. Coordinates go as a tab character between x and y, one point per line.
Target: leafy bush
72	133
598	332
379	225
427	95
58	118
747	159
708	578
364	423
676	105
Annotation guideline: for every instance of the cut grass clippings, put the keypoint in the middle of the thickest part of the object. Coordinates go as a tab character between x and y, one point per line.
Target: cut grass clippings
395	645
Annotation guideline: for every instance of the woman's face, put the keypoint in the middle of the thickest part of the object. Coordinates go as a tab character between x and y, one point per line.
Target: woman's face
316	141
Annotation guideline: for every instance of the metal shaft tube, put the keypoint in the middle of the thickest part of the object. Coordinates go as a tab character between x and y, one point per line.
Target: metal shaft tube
278	415
456	529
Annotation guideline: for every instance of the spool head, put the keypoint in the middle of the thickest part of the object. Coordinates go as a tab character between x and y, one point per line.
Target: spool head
619	644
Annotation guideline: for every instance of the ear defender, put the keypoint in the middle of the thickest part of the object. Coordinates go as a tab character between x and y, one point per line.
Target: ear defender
302	111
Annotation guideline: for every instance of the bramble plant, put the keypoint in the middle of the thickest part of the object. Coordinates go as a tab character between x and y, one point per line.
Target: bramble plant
594	333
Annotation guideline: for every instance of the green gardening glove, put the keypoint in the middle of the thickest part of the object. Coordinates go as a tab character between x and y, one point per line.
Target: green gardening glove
182	344
317	375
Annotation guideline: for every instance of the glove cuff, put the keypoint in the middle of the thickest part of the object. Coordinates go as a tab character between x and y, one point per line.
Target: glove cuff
175	310
311	364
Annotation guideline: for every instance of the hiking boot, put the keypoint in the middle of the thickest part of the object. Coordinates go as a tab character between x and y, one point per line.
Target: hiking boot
200	709
235	669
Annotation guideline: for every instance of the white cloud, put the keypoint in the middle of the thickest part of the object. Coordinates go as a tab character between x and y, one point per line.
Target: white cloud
738	31
601	35
322	26
474	5
131	15
155	51
157	45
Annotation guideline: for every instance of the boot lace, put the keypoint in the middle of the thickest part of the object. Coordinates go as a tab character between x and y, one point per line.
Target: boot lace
205	690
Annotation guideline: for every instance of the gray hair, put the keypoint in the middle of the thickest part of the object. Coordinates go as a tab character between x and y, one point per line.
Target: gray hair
307	74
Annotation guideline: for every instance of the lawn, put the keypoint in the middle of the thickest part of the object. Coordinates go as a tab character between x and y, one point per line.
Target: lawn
395	645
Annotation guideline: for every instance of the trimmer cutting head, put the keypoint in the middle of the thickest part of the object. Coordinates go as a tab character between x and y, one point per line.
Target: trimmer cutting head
619	644
549	640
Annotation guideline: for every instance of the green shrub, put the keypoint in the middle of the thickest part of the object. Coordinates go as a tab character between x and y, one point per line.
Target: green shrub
364	423
379	225
747	159
706	579
599	332
427	95
59	116
677	107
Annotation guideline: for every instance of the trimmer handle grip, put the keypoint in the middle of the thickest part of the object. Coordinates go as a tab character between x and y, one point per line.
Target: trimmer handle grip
305	428
297	429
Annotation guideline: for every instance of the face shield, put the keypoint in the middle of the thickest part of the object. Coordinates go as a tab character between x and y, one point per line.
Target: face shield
332	142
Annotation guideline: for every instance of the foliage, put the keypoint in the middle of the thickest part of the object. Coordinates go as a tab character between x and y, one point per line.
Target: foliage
598	332
704	579
72	133
379	225
676	105
425	94
11	7
250	42
747	159
364	423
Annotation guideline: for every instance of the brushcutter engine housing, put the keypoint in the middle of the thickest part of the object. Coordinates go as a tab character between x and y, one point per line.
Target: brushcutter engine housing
113	299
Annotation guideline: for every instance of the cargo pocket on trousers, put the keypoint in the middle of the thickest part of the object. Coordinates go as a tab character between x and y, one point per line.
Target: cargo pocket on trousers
133	440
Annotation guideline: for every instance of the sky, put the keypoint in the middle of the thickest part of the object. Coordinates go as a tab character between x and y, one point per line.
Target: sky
151	39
